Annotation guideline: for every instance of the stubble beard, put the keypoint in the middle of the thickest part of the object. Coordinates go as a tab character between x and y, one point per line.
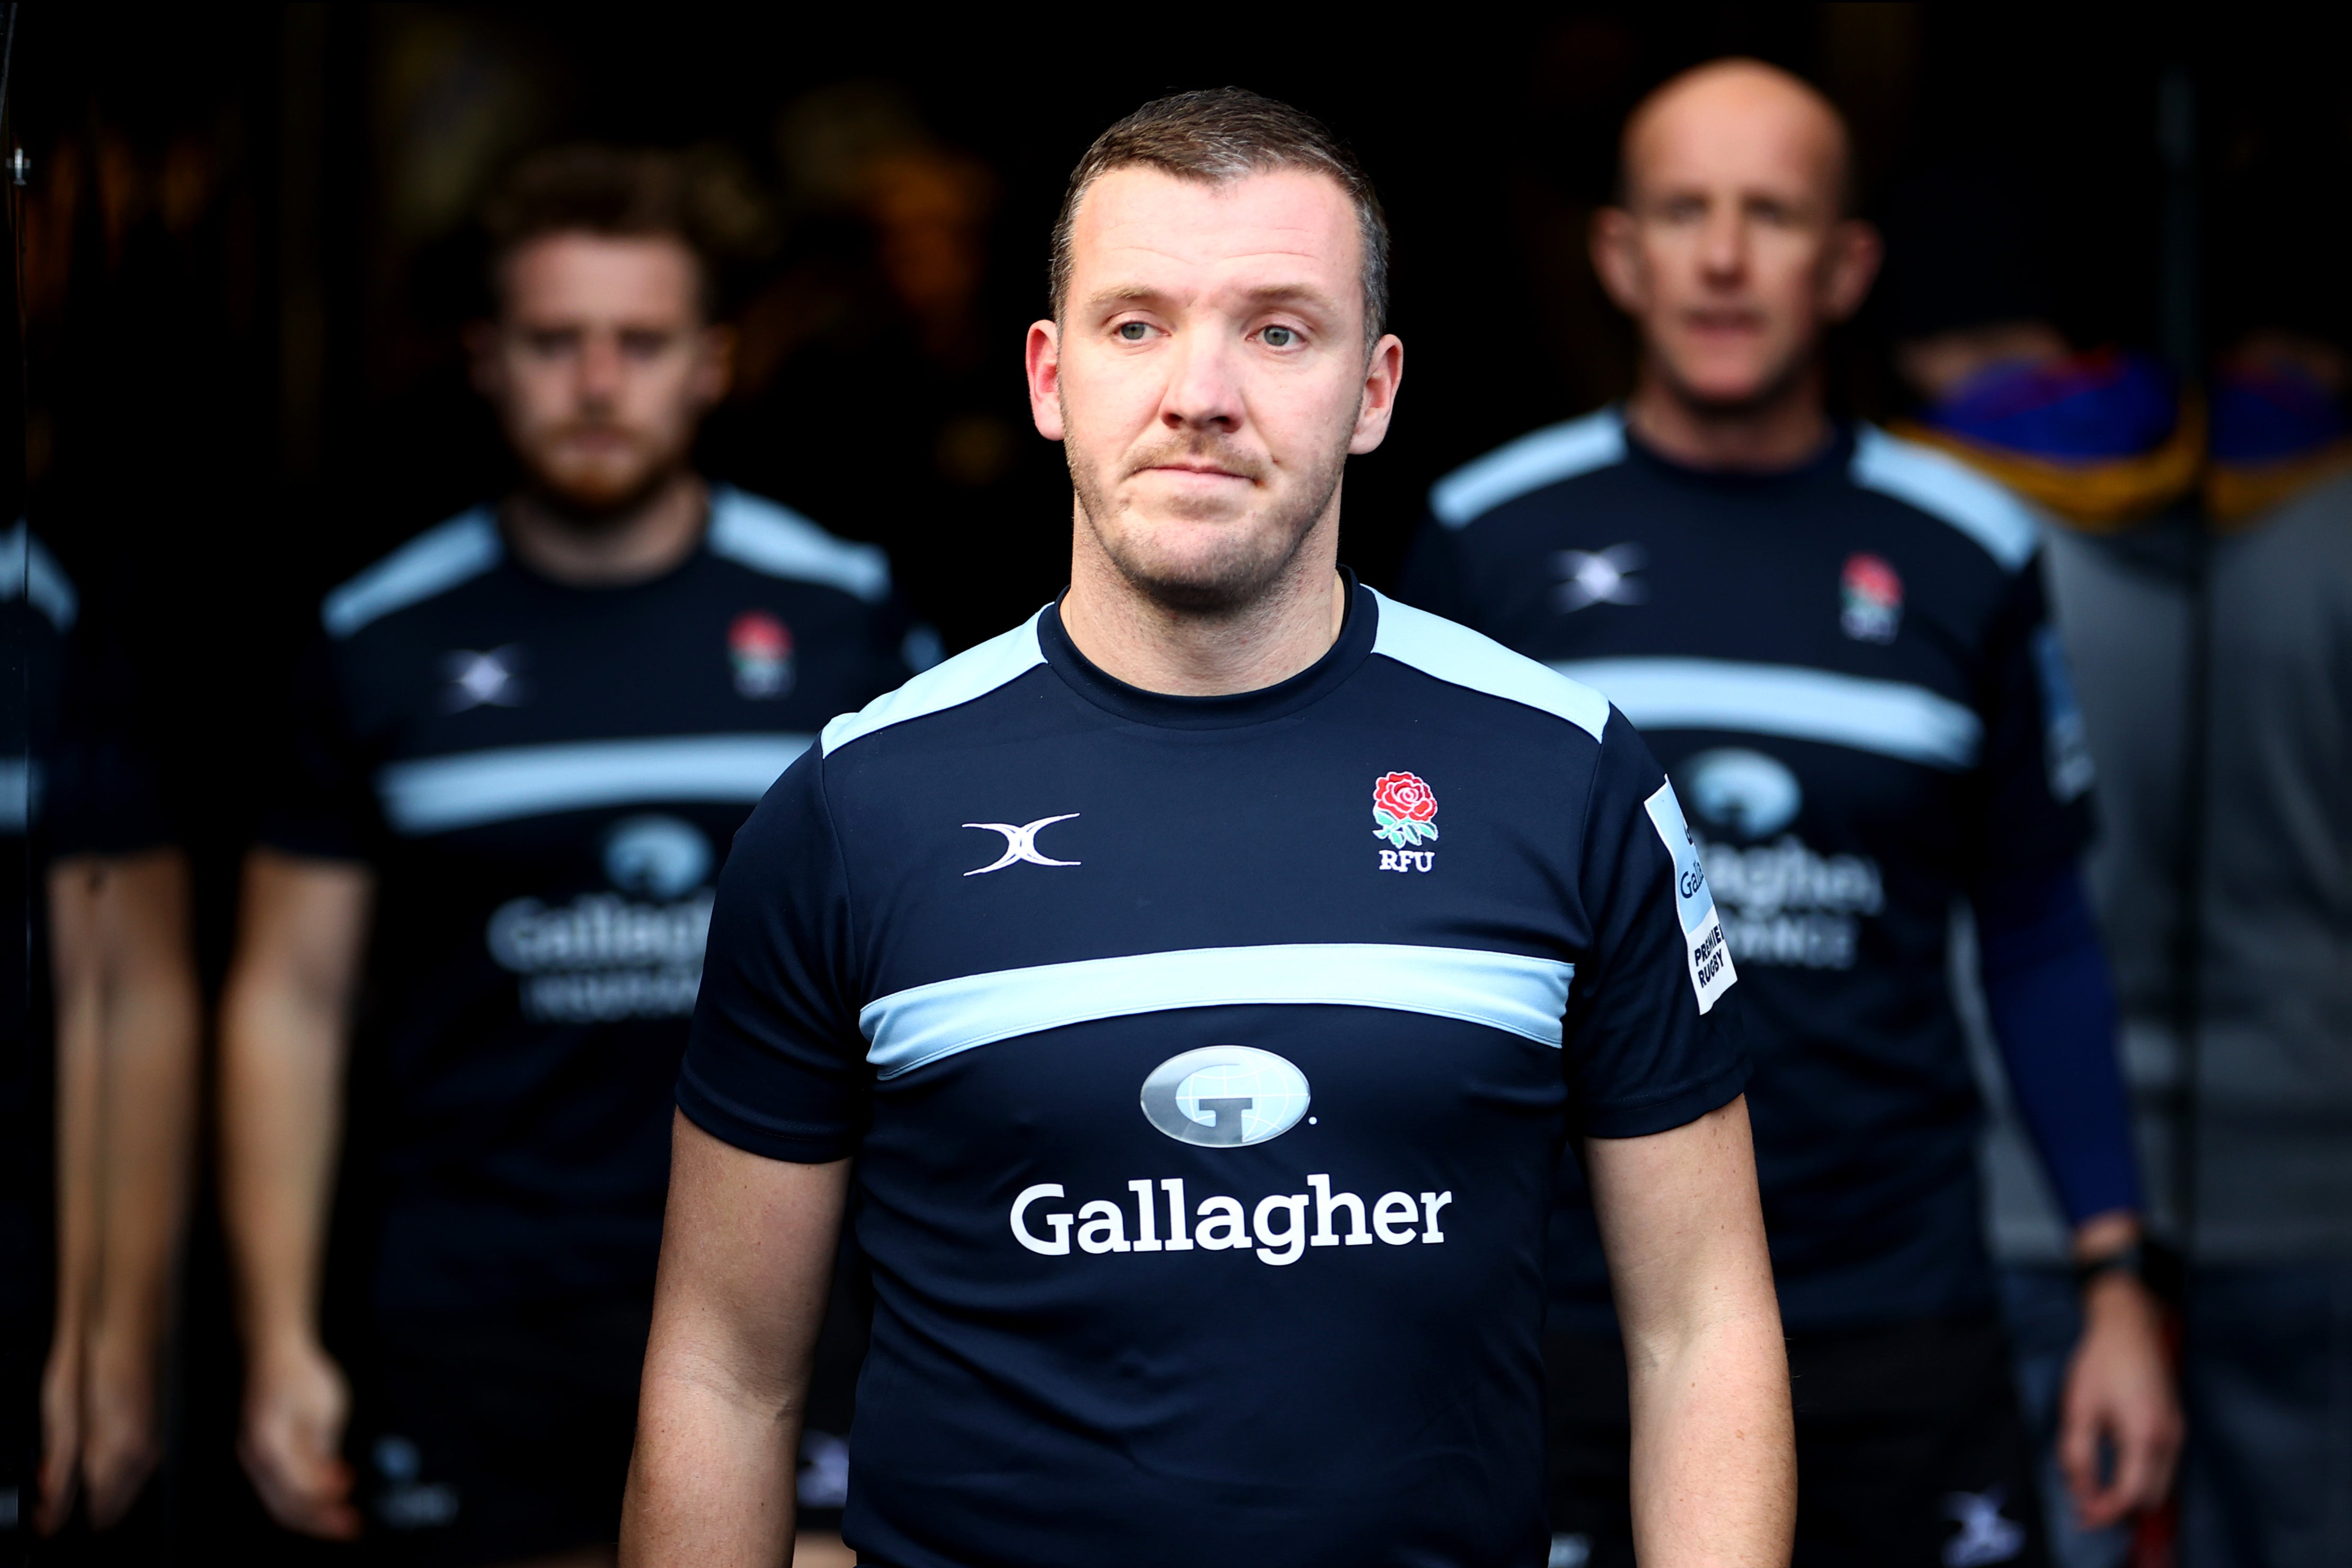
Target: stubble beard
1254	553
601	498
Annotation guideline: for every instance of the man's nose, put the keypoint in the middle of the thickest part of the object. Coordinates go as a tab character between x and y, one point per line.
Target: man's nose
1723	244
1203	390
597	373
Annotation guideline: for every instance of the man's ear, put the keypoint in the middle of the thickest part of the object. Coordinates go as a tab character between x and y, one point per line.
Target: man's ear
1615	261
715	373
1383	375
1855	251
481	342
1044	365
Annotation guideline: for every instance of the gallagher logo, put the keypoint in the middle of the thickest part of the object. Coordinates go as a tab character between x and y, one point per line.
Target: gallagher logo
761	647
1225	1096
1872	597
1402	809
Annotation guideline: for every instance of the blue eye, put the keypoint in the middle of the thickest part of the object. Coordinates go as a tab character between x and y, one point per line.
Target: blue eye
1279	337
1132	332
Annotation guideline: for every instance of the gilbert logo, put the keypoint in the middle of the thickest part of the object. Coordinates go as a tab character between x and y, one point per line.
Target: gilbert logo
1020	844
1402	806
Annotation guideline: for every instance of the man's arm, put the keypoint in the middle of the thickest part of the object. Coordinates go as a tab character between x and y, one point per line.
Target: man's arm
77	971
1715	1468
149	1055
2053	1015
283	1022
747	1255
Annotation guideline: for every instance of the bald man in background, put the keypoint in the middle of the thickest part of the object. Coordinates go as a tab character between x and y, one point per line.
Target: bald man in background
1836	643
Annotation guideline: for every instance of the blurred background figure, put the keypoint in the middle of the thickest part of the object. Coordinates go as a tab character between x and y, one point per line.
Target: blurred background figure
106	892
519	756
1836	640
2199	545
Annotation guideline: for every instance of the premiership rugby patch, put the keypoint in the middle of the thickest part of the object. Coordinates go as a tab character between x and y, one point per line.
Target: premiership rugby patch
1711	972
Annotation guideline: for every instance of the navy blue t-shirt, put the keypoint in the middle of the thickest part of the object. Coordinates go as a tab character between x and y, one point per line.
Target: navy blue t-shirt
544	780
1206	1060
1849	673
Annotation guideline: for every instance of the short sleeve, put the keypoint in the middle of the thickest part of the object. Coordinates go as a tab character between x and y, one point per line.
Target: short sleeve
1652	1034
1431	577
316	798
109	799
774	1063
2035	790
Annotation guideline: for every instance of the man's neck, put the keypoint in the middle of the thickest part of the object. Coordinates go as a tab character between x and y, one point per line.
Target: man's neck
1134	638
1781	432
634	546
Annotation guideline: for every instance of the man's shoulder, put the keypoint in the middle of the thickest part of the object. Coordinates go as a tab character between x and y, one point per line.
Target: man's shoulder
1940	487
1455	655
969	677
1535	462
771	539
441	558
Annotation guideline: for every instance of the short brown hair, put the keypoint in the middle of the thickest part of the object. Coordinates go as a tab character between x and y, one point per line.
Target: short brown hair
1225	133
615	192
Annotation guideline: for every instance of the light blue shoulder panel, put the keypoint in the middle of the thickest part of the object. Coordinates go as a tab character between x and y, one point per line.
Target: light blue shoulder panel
1459	657
1946	488
1545	457
969	676
434	561
27	567
754	532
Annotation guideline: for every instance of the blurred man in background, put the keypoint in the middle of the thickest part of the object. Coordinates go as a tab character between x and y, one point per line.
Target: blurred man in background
1837	642
2209	633
108	896
521	753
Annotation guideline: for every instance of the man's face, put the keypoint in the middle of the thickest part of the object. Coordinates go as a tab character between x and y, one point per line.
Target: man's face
601	365
1208	377
1730	252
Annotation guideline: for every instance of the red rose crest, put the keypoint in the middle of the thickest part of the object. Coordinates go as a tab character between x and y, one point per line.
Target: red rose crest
1401	808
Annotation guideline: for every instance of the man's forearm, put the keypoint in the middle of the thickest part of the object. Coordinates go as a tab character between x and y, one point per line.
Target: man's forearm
280	1104
1713	1461
712	1481
150	1065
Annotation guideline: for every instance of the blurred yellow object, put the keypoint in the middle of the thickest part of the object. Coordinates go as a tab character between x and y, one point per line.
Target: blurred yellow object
2100	495
2236	494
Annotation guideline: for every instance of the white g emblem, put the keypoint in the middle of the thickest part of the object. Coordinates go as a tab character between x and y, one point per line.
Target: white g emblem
1225	1096
656	857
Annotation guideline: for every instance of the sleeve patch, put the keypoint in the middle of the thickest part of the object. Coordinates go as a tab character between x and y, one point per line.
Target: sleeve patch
1704	951
2068	750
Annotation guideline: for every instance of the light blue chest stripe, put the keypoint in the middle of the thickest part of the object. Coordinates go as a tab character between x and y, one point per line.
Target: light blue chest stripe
442	794
1521	996
1889	718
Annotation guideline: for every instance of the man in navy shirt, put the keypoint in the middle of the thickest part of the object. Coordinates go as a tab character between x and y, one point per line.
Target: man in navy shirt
523	744
1839	644
1203	976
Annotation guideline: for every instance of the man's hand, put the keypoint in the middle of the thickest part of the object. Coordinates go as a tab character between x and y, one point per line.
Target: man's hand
2118	1398
296	1403
60	1433
120	1444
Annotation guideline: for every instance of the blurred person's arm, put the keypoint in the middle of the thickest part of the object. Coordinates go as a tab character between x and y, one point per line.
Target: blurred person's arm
284	1022
2052	1007
75	964
149	1059
747	1254
1713	1460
